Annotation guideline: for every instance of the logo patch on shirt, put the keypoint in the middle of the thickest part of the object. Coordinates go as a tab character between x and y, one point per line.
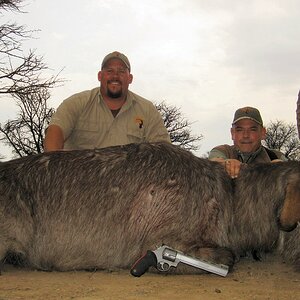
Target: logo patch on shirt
140	122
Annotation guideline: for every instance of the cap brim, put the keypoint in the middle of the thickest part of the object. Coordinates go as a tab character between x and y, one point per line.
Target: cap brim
249	118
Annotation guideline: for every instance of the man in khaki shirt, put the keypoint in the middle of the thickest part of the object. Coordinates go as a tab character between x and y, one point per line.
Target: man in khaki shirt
106	116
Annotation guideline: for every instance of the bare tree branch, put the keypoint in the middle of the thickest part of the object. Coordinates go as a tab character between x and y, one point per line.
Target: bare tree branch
283	137
178	127
18	71
25	134
13	5
21	78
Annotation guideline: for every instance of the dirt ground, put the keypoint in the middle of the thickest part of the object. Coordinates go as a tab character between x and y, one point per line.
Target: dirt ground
249	280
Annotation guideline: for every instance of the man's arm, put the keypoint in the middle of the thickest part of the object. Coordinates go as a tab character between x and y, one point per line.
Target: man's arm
63	120
157	132
276	155
217	155
54	139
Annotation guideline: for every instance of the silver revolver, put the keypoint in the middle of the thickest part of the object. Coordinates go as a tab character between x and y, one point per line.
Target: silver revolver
164	257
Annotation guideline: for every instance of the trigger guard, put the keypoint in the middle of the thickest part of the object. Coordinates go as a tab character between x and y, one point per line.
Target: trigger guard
163	266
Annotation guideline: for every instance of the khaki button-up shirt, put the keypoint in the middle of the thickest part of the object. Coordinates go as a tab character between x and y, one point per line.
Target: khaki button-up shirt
88	123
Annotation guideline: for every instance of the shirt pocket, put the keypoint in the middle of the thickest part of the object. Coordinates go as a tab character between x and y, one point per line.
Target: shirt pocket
135	134
86	133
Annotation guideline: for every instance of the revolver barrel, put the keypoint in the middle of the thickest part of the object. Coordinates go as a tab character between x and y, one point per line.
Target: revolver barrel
173	255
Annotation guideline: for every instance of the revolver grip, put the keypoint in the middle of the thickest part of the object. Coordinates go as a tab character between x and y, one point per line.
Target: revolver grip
142	264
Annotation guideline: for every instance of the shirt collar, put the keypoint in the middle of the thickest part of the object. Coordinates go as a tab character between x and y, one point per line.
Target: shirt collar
129	99
248	157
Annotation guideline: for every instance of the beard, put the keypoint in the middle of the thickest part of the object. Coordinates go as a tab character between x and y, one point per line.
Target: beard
114	95
111	93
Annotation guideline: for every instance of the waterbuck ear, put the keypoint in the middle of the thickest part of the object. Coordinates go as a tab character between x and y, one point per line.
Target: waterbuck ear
290	213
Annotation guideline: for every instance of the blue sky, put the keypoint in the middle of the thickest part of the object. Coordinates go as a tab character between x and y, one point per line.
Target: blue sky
206	57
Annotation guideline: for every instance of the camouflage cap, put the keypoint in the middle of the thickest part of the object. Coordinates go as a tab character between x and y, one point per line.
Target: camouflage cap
118	55
248	113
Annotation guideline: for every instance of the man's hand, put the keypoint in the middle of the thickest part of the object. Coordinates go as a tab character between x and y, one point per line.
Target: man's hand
232	166
276	160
